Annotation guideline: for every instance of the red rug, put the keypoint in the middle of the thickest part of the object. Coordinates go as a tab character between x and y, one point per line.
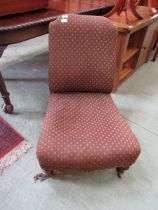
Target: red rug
12	145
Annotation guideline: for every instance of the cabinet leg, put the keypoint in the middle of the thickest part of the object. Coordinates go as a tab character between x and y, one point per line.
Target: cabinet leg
155	55
7	106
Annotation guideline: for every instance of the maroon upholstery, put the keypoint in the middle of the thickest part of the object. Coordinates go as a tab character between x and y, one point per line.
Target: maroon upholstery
82	54
83	130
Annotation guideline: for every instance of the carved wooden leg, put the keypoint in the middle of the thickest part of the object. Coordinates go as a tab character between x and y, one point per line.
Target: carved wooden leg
120	171
7	107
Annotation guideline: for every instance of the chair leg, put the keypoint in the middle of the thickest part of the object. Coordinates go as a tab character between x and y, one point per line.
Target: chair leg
120	171
7	107
45	175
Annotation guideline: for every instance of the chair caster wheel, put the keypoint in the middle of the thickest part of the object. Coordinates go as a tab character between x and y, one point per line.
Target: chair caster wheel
45	175
120	171
8	108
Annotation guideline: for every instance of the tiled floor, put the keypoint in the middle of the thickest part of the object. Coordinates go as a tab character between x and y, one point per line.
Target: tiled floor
25	69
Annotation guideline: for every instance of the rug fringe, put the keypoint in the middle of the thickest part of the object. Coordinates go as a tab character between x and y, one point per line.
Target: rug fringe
14	155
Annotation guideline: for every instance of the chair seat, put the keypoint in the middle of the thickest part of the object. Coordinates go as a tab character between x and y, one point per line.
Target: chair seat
85	131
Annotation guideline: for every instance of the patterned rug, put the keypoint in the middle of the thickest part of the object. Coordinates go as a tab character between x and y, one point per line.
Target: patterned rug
12	145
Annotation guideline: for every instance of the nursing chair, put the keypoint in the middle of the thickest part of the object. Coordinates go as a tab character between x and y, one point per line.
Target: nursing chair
83	129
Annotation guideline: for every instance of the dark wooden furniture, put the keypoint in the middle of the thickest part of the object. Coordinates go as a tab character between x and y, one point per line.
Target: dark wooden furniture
19	27
9	7
137	42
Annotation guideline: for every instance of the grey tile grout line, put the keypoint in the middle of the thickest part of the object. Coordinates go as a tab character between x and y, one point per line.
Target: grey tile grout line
156	134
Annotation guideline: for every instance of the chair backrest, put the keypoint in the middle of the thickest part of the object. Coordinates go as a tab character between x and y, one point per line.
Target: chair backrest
82	54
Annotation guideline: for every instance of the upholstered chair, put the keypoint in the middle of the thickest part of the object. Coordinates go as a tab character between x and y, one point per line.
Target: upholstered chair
83	129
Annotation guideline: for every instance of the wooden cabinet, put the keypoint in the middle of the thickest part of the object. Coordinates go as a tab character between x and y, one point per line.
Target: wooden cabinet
136	43
148	45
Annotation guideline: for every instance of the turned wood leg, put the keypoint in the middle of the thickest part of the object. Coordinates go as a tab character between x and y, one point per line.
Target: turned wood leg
120	171
7	107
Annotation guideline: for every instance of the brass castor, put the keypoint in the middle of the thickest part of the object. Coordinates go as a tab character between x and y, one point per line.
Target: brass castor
120	171
8	108
46	175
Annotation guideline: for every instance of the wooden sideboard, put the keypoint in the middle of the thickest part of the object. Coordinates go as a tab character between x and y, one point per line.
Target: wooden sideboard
137	42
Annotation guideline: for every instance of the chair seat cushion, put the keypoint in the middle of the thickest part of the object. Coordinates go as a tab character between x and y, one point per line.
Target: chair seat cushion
84	131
